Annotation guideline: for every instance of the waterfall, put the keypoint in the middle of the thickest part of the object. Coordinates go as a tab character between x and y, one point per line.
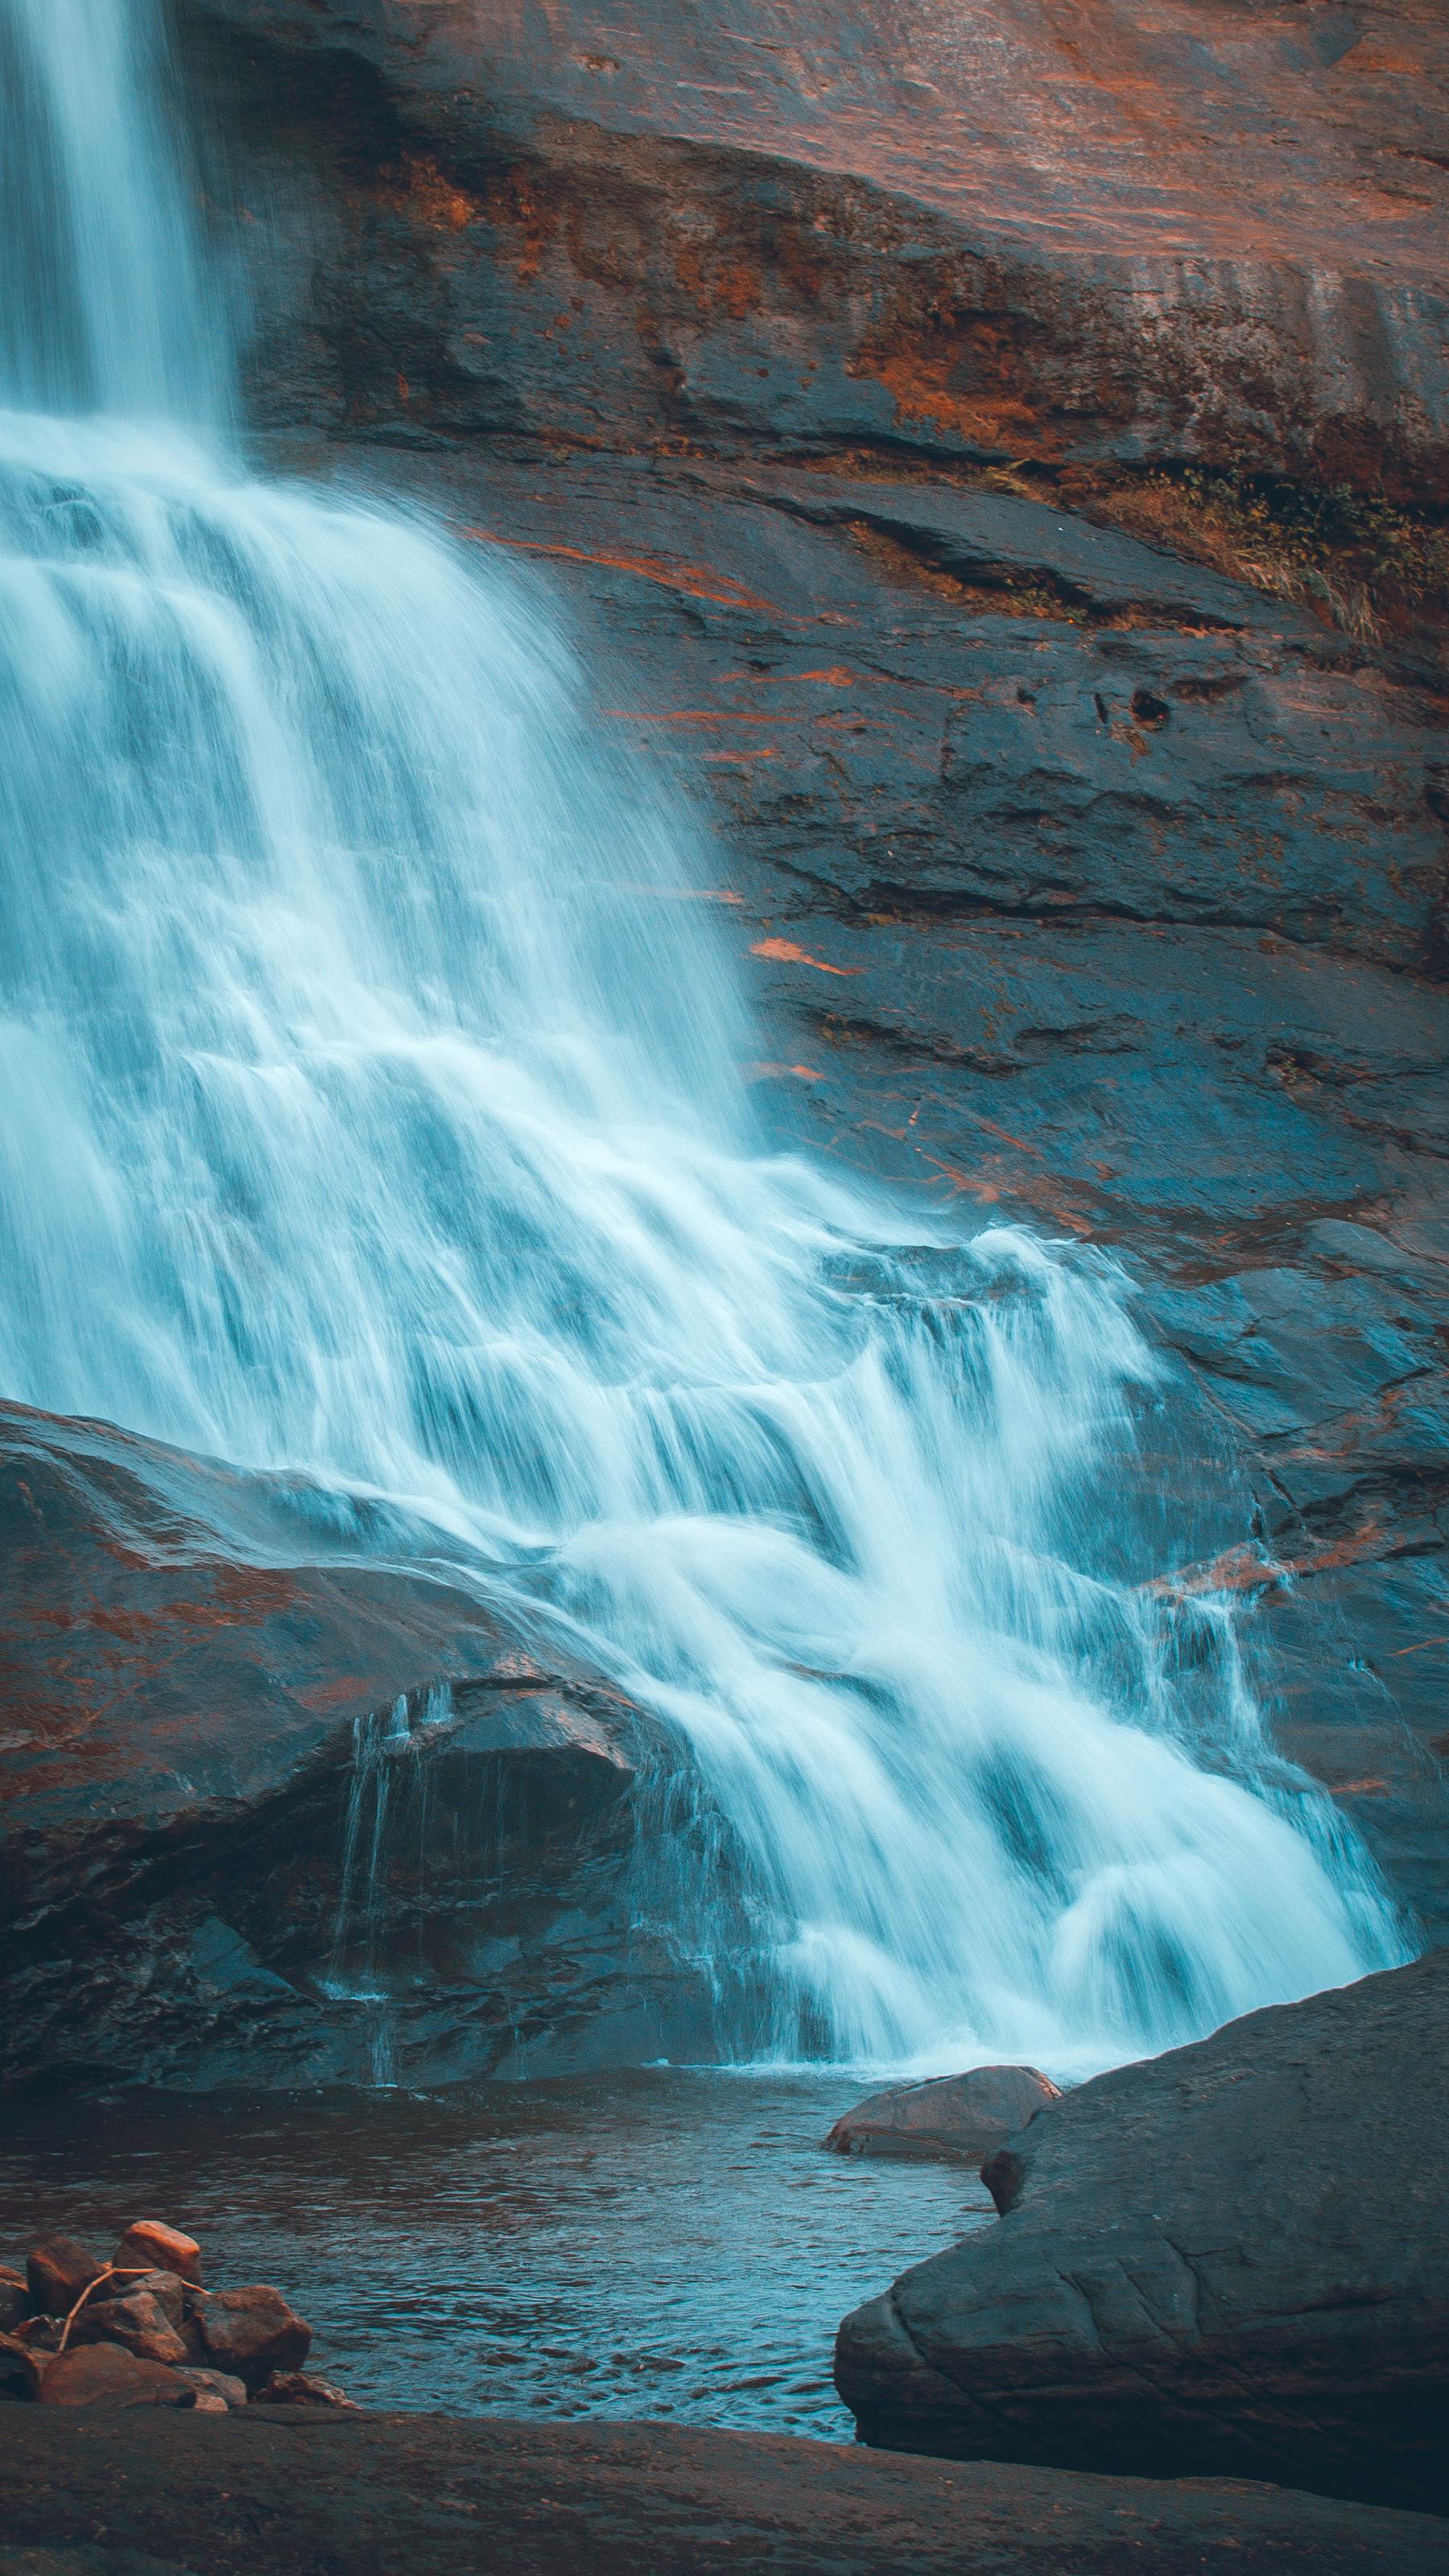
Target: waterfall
373	1109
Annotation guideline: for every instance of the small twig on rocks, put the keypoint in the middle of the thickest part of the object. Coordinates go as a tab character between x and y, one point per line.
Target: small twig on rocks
112	2272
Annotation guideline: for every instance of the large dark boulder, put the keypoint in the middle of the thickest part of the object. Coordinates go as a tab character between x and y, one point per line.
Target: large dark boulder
1231	2259
281	1804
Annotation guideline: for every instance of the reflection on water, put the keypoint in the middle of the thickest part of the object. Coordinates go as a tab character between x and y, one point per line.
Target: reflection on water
667	2242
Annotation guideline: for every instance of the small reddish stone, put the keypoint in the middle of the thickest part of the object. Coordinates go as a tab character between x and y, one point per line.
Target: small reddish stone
215	2384
57	2270
303	2388
151	2246
105	2374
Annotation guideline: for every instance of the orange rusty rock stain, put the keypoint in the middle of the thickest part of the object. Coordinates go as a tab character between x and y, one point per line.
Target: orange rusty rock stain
417	187
920	368
1238	1569
785	953
1370	1788
707	716
731	286
1032	1192
697	581
801	1072
1007	1138
513	203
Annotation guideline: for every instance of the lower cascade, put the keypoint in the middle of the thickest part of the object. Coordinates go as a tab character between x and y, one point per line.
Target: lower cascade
378	1107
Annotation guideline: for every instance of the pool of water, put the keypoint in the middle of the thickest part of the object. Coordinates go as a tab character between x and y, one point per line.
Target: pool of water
667	2242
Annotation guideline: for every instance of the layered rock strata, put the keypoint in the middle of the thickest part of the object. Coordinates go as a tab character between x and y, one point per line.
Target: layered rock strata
1068	232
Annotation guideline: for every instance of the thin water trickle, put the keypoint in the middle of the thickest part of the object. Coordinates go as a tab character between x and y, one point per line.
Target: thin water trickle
366	1116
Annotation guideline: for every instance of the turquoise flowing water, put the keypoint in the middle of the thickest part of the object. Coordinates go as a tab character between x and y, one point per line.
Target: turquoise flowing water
364	1114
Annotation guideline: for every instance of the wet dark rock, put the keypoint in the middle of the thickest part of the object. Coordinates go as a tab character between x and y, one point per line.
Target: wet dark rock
336	2492
859	223
252	2332
167	2289
92	2561
951	2119
1169	987
1000	541
1210	2264
57	2271
203	1678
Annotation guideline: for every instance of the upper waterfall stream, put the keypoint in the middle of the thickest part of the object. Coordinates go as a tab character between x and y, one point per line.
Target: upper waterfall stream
372	1108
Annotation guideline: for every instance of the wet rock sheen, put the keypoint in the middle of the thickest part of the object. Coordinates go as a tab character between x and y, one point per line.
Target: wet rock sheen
1230	2260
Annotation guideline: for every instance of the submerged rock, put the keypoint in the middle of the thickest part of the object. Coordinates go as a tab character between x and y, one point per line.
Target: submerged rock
949	2119
1228	2260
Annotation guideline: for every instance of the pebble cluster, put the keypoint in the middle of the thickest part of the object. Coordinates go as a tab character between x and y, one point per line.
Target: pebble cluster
142	2329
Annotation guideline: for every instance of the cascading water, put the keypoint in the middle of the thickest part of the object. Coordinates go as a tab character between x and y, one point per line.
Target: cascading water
369	1111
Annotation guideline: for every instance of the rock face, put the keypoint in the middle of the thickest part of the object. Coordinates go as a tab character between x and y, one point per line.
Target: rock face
1112	918
1230	2260
953	2119
1072	881
202	1686
1112	230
